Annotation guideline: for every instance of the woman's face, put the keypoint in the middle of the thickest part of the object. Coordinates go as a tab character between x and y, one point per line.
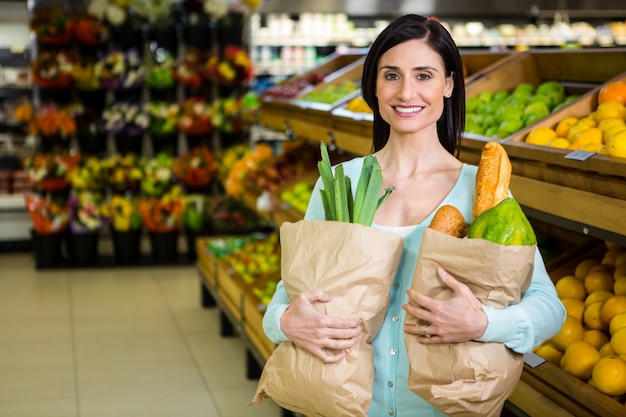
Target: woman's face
411	85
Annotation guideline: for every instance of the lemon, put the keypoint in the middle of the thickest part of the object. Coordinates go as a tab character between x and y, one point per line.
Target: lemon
589	121
609	375
616	145
571	331
592	147
564	125
618	341
587	136
617	322
575	129
560	143
579	359
610	110
596	338
541	136
611	122
549	352
571	287
611	131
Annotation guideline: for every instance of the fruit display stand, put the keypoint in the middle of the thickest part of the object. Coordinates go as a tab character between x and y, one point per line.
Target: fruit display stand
571	395
273	112
570	68
478	63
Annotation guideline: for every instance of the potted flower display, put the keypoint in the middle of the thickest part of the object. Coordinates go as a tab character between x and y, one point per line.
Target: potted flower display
89	31
52	73
195	121
127	122
89	213
195	222
55	126
227	119
158	178
48	171
195	169
163	126
232	68
88	175
50	219
126	228
88	81
188	72
52	26
160	76
163	217
125	173
123	20
92	139
124	74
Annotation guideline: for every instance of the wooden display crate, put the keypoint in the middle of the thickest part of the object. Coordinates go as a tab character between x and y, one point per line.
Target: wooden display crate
601	174
206	262
478	63
571	68
252	312
571	393
273	112
230	289
311	120
352	131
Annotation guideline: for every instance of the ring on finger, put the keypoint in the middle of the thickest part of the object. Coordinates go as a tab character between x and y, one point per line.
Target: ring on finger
426	333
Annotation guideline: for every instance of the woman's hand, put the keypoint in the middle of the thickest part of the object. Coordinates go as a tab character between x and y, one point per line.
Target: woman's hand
323	336
458	319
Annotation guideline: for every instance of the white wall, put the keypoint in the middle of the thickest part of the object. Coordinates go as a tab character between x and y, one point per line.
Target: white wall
14	31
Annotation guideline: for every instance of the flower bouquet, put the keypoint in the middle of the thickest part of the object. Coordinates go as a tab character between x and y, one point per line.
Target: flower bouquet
55	125
89	213
122	19
89	175
50	218
195	121
126	225
52	26
227	115
196	168
48	171
127	122
195	222
163	126
158	176
238	175
163	217
52	70
124	74
124	173
188	71
89	30
49	215
160	76
228	215
232	68
88	80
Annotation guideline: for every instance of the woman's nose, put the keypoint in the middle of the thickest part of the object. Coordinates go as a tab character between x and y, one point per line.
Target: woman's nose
406	90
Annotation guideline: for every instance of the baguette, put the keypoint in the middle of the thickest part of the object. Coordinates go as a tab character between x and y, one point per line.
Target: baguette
449	220
492	178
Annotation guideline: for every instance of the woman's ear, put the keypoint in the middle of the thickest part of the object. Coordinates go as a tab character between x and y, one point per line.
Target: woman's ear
447	92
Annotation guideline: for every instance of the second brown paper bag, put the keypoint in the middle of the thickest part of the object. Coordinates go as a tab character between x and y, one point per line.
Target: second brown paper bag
472	378
356	264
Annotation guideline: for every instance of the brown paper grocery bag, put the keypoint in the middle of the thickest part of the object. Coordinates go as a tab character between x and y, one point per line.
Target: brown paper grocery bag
357	265
473	378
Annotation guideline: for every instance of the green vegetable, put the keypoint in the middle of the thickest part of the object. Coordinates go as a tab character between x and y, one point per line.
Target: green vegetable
504	224
337	199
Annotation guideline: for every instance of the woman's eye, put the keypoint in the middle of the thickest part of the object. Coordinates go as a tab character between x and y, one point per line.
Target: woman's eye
423	76
391	76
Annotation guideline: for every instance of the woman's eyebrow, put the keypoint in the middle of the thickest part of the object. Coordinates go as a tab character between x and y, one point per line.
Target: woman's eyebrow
420	68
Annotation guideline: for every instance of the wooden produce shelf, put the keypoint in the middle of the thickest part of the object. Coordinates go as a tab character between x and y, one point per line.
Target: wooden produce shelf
230	289
569	67
478	63
252	311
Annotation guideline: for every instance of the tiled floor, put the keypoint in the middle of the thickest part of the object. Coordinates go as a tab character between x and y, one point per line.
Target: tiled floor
115	342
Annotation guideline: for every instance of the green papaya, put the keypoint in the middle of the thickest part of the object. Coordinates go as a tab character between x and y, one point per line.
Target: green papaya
504	224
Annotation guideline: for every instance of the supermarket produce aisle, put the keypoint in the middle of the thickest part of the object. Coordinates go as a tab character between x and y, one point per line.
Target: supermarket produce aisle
123	342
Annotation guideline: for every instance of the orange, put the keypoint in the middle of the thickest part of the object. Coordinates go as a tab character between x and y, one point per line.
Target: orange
596	338
616	144
600	295
579	359
620	286
618	342
613	306
613	91
574	307
570	287
587	136
598	280
606	350
593	318
610	257
617	322
609	375
571	331
549	352
564	125
583	267
541	136
610	110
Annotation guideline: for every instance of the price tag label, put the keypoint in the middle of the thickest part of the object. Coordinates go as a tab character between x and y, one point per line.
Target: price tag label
533	360
579	155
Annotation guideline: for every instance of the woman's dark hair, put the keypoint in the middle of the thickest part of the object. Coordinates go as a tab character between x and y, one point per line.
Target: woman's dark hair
452	122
